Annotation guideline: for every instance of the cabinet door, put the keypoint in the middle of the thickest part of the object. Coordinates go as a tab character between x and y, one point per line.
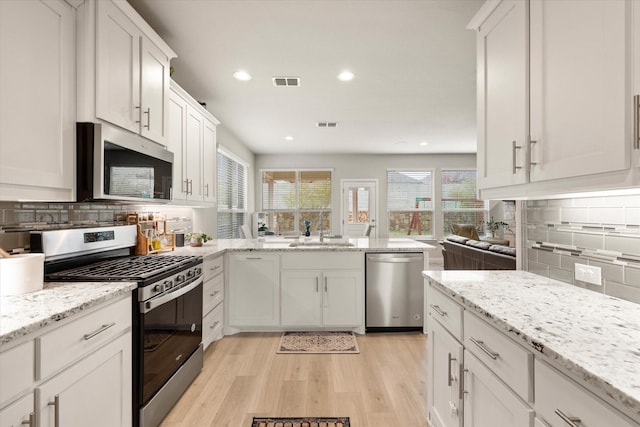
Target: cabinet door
254	291
18	413
118	68
503	101
578	88
96	391
488	402
37	101
193	164
154	85
209	159
177	144
300	298
636	79
342	298
445	360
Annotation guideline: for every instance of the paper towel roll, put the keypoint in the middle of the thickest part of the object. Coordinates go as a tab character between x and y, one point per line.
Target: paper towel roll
21	274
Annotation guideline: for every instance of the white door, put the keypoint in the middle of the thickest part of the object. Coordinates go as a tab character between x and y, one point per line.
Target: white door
359	207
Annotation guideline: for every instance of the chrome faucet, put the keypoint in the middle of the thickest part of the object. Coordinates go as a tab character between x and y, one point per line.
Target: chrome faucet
321	234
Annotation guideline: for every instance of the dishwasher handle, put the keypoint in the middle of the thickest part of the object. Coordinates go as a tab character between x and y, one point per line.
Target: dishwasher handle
398	259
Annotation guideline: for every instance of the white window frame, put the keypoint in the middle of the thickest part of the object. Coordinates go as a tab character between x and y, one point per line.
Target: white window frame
235	231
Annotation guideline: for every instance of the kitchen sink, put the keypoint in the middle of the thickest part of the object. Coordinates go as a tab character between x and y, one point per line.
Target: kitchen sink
320	244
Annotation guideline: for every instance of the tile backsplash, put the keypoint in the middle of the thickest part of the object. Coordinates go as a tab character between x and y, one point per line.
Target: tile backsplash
599	231
16	218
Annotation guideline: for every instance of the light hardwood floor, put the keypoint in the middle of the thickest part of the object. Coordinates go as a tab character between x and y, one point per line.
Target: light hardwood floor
384	385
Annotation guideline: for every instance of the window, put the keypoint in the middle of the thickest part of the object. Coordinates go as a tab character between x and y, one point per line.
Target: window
459	202
410	202
232	190
289	197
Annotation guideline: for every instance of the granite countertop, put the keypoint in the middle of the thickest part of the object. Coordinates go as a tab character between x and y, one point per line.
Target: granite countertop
593	336
23	314
281	244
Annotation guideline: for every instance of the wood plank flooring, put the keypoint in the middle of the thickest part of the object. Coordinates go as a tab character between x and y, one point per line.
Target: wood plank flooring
384	385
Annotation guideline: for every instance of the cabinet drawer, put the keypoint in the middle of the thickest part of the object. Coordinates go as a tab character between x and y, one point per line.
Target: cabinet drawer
323	261
213	267
212	325
16	371
446	311
512	363
83	335
213	293
558	397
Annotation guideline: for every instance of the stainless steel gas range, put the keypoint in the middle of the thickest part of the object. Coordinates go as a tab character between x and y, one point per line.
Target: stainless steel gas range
166	312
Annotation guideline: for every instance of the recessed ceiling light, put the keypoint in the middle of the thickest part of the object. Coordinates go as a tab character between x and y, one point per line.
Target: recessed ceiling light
288	138
423	143
346	76
242	75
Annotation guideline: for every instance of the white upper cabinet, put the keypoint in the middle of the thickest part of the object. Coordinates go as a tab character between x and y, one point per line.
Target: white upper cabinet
503	96
553	96
37	100
635	52
123	70
192	139
578	88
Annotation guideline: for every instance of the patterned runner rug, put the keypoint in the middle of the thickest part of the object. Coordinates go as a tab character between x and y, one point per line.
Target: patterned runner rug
318	342
301	422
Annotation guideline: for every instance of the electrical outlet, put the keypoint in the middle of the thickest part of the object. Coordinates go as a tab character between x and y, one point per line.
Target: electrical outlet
589	274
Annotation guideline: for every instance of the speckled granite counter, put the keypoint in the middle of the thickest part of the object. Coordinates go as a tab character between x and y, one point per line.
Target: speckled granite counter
278	244
593	336
23	314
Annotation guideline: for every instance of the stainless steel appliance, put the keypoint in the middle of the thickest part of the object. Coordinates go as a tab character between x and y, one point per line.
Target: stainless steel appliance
113	164
166	313
394	291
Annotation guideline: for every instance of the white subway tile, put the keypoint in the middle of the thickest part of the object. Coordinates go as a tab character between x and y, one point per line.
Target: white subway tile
609	271
549	258
632	276
563	275
537	268
624	201
560	203
551	215
587	202
632	216
574	215
560	237
606	215
620	290
569	262
588	241
626	245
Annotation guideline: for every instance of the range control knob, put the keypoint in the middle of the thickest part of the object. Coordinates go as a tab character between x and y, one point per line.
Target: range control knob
189	273
168	284
180	278
198	271
158	288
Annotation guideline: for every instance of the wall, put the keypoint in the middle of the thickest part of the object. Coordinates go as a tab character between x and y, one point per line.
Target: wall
601	231
358	166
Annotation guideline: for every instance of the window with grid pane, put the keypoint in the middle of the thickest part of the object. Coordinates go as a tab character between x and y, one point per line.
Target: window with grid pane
459	202
232	189
410	202
289	197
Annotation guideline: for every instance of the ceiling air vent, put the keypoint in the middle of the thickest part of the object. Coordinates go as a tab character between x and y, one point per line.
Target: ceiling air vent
326	124
286	81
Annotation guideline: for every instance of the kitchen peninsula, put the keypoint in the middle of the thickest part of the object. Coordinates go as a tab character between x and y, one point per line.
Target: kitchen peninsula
521	334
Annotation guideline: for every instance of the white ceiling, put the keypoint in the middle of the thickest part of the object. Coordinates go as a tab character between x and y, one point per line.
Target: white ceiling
414	63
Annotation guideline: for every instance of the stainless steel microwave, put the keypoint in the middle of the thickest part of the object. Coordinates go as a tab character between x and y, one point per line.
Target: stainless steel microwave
115	164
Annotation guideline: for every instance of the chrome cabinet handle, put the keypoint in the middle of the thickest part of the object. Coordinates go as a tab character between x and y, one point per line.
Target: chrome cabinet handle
317	289
514	162
206	194
185	186
532	163
325	285
572	421
449	377
437	309
636	122
214	294
100	330
148	113
461	391
56	406
257	257
31	421
214	325
481	345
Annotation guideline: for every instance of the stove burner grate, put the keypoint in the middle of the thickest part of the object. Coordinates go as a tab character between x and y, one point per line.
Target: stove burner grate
132	268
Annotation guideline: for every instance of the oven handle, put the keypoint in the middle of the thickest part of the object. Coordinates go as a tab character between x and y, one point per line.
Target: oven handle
147	306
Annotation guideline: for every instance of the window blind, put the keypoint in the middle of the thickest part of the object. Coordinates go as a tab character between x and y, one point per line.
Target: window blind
460	204
410	202
232	188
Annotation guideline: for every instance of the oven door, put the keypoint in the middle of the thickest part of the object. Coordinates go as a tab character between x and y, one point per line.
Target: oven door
171	330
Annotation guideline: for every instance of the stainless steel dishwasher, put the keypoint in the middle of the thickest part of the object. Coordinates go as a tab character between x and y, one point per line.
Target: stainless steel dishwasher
394	291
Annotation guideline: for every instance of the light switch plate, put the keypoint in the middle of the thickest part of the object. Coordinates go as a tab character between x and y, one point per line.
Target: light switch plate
589	274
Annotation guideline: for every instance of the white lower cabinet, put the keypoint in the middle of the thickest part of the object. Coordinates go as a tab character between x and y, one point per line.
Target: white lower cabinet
212	300
75	374
253	292
560	402
321	298
445	363
96	391
488	402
